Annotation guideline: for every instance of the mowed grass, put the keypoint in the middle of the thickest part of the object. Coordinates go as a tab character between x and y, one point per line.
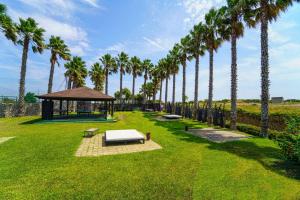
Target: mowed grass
40	164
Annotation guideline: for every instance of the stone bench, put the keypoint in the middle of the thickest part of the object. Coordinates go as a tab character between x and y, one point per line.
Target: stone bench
90	132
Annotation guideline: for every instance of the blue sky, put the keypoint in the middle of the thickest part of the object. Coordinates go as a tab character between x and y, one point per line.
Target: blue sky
148	29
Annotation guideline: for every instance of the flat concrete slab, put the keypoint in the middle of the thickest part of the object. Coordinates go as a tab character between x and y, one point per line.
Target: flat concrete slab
4	139
95	146
163	119
216	135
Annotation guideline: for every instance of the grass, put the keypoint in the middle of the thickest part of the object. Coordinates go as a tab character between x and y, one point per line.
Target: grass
282	108
40	164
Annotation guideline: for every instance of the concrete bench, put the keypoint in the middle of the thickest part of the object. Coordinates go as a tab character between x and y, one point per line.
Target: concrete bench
90	132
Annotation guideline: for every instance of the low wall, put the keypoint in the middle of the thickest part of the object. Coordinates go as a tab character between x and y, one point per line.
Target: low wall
10	110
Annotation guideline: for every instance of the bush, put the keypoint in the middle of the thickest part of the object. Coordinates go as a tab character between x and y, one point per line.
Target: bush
290	146
289	142
30	97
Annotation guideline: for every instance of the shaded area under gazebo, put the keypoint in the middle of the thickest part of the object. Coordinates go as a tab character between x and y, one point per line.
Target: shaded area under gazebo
89	103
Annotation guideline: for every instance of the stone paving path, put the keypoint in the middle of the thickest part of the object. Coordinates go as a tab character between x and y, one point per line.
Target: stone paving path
95	146
4	139
216	135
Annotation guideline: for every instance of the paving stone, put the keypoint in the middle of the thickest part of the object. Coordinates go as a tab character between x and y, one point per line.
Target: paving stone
95	146
216	135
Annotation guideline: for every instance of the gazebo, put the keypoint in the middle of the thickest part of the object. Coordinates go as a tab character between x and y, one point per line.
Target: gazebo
83	96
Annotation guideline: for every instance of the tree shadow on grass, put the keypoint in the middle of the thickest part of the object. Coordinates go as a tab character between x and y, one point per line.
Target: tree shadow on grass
33	121
269	157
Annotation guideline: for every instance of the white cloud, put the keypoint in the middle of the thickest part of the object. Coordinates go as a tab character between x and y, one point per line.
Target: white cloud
75	37
155	43
196	9
92	3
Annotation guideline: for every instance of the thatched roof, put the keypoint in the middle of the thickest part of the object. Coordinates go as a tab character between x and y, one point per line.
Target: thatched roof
80	94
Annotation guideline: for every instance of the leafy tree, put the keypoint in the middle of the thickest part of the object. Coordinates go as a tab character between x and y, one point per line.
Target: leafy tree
136	70
60	50
30	35
126	94
30	97
97	74
110	67
76	72
7	27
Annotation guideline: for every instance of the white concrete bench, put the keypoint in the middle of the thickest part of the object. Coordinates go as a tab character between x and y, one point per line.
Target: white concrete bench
90	132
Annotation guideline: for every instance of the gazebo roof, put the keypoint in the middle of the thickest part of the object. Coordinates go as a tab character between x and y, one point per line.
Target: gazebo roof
78	94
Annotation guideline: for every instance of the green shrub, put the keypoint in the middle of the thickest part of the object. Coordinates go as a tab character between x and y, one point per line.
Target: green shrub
290	146
289	142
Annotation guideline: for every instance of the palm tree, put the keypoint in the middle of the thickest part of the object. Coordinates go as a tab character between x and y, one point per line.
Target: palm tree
123	63
235	12
97	74
213	41
110	67
174	54
267	11
136	70
196	49
7	27
29	35
76	72
167	62
146	67
161	73
183	56
60	50
156	81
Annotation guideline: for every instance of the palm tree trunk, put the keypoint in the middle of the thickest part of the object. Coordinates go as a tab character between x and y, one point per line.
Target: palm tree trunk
183	86
173	95
106	82
144	95
264	71
210	86
121	87
160	90
166	91
69	83
50	83
196	87
21	106
133	88
233	113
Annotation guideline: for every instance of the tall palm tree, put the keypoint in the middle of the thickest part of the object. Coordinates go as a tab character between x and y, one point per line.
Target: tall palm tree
167	62
156	81
146	68
76	72
236	11
174	54
213	40
136	71
60	50
267	11
161	73
97	74
110	67
124	67
7	27
30	35
183	56
196	49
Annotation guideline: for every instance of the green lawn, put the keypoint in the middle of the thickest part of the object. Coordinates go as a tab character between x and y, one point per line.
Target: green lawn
40	164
